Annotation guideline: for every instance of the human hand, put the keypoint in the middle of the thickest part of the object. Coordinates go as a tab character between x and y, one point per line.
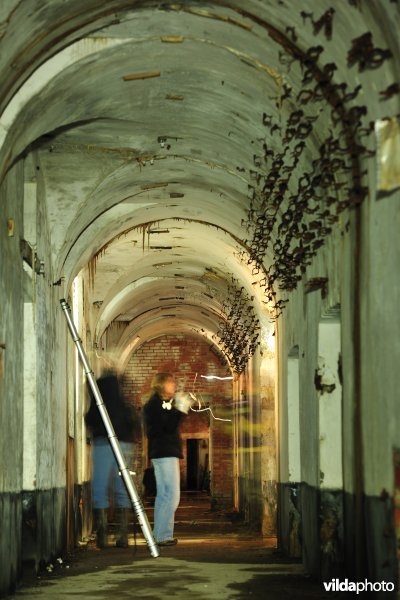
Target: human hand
183	402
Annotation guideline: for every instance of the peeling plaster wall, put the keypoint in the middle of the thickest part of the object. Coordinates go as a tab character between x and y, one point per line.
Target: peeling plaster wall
44	492
380	359
11	364
29	374
51	369
11	279
299	508
380	309
370	263
269	472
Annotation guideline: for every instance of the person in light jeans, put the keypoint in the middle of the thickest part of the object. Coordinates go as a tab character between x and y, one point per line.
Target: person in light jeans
162	419
105	475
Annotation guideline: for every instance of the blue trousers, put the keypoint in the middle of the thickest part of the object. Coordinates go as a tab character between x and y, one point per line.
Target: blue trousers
105	474
167	475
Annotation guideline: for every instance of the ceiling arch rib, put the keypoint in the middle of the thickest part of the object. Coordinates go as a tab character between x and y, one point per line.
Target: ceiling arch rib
114	57
178	253
71	20
151	315
158	293
48	27
197	192
256	35
135	337
235	342
154	320
132	281
76	21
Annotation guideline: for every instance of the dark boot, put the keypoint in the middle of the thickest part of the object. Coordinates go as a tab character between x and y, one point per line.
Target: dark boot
100	519
122	528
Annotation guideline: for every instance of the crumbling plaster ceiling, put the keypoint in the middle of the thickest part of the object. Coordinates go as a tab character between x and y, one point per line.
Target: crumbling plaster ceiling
185	148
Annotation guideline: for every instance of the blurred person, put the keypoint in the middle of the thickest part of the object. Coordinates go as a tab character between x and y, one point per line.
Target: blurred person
105	473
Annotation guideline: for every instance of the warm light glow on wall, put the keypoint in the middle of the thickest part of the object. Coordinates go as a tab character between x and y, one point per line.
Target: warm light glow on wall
269	341
76	289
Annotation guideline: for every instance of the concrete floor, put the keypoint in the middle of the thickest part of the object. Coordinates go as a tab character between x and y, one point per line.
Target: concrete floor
215	558
222	567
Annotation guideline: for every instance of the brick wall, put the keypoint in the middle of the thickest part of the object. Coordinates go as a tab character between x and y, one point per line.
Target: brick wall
185	356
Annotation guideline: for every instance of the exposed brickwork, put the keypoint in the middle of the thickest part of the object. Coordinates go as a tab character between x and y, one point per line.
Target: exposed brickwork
186	356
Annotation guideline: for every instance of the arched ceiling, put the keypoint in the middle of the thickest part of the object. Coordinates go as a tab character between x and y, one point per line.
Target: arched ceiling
215	143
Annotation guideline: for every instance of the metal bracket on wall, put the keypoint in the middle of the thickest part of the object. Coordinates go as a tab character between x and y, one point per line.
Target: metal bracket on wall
10	227
29	255
2	347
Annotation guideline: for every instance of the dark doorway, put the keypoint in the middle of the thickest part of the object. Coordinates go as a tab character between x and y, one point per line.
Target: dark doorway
192	464
197	463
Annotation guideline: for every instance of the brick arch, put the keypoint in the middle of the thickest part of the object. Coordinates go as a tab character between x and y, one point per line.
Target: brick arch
184	356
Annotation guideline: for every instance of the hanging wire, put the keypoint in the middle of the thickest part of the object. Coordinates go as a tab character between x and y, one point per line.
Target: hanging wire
200	409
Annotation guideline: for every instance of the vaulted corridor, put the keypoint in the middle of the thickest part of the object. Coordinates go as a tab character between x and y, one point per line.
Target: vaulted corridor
214	189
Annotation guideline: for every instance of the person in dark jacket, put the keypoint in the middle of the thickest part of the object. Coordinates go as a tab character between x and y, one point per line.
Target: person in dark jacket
162	418
105	466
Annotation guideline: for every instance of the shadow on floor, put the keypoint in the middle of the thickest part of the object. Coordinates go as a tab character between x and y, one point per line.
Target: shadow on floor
214	559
